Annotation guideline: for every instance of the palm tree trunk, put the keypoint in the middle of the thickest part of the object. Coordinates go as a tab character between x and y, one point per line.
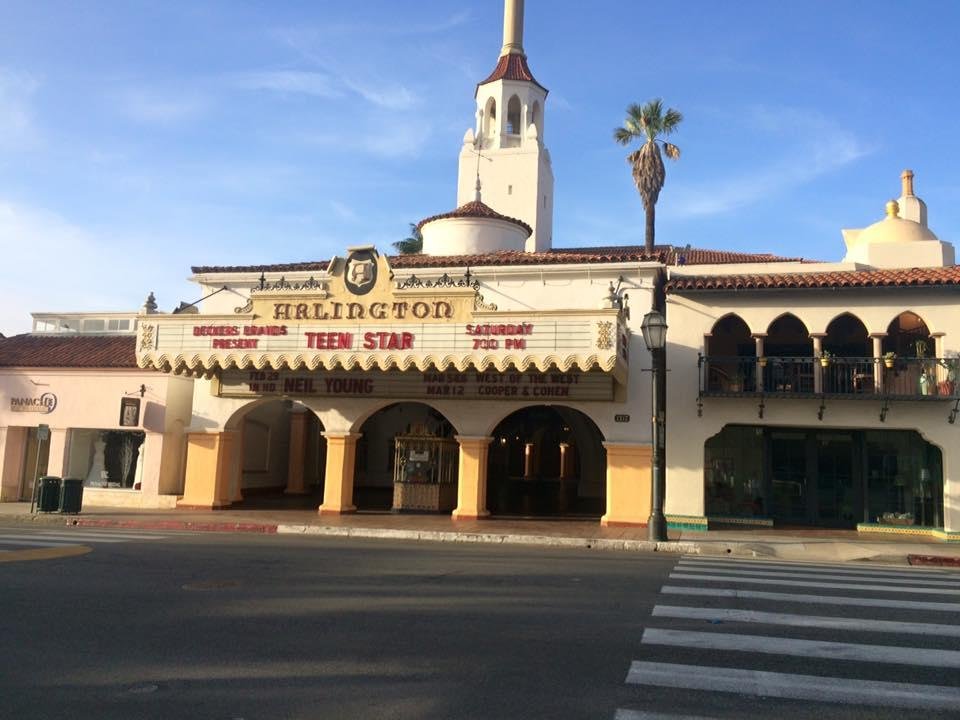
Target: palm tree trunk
651	217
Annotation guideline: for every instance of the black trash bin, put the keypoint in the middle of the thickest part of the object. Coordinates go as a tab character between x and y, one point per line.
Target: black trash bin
49	498
71	496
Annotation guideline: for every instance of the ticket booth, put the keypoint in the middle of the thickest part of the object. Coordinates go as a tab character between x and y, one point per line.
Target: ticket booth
425	472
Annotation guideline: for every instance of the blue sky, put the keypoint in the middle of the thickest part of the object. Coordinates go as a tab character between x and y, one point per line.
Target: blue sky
138	138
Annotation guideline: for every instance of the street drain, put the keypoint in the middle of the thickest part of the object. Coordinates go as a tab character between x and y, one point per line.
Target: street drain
212	585
143	689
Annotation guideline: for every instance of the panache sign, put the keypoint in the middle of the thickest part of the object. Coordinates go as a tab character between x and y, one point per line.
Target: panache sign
45	403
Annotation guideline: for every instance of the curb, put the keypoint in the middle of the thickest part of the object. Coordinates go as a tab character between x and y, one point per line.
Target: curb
260	528
935	560
490	538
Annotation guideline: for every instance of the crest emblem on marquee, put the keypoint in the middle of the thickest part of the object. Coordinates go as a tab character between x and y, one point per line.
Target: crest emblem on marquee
360	275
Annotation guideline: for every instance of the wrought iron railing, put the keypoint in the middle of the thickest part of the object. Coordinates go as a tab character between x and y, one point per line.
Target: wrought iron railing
885	377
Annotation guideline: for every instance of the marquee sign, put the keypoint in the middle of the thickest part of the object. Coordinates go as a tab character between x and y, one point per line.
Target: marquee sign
356	317
449	385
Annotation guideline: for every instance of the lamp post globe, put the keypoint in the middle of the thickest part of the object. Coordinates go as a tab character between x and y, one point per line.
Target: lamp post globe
654	329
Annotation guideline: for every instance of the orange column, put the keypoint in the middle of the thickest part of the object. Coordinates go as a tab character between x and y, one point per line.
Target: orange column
338	483
211	459
297	455
628	484
472	480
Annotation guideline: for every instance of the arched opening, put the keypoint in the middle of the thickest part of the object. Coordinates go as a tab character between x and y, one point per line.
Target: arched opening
830	478
731	351
490	118
513	115
908	358
536	118
848	344
282	454
406	460
788	348
547	461
908	337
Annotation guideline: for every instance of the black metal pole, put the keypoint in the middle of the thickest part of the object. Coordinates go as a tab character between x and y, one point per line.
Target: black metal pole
657	525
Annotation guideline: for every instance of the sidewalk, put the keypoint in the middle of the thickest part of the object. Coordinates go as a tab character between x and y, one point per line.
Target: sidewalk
800	545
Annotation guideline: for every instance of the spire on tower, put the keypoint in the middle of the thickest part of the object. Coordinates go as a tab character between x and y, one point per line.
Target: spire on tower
512	27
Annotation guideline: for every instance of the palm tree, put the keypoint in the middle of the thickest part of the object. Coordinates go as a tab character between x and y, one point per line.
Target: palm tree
650	124
411	245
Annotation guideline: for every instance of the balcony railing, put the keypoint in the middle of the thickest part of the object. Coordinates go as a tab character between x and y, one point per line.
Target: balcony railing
857	377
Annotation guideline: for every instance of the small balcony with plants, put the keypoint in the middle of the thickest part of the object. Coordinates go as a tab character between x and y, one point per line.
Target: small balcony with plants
846	361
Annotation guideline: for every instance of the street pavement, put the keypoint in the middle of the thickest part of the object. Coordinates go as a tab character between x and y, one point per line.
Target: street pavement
762	639
222	625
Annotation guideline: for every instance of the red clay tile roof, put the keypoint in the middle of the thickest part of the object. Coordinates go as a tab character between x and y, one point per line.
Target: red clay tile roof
667	254
69	351
475	209
912	277
511	67
316	266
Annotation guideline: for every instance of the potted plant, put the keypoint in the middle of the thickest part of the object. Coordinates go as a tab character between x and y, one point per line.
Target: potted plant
736	383
825	358
762	362
888	359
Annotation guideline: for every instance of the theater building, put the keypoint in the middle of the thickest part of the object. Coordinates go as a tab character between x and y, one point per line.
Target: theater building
490	374
821	394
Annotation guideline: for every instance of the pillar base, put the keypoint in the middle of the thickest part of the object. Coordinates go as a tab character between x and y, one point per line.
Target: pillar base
457	515
604	522
349	510
216	506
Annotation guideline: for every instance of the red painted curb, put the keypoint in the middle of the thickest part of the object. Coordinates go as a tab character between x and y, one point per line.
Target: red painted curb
939	560
262	528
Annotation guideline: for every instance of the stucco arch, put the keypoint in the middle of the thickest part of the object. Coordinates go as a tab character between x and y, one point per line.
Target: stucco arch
847	335
513	118
372	409
547	459
490	117
727	334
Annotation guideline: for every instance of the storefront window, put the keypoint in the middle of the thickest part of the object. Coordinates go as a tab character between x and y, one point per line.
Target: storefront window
106	458
904	479
734	473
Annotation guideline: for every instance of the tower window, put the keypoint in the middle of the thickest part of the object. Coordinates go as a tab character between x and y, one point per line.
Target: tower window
513	116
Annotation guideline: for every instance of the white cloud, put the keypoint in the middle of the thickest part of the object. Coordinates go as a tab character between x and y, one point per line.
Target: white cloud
289	81
17	129
811	145
64	267
157	108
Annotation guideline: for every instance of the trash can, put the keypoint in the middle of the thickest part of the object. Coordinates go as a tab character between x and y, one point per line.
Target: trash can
71	496
49	498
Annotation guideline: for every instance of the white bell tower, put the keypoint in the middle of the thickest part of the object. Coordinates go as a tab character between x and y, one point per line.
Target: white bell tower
513	163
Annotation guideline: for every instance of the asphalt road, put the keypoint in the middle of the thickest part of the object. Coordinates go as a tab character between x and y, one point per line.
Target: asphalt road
164	625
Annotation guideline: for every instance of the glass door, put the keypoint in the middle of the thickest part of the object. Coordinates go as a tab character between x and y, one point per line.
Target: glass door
790	490
837	496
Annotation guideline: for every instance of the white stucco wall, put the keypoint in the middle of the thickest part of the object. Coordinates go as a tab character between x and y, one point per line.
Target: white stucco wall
691	316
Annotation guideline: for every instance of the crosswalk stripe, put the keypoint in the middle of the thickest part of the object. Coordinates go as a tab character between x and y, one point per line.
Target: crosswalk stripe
60	539
801	648
811	583
34	543
811	599
823	576
796	687
833	569
109	536
806	621
624	714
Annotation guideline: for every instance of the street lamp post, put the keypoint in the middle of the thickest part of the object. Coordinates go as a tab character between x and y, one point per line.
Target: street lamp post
654	329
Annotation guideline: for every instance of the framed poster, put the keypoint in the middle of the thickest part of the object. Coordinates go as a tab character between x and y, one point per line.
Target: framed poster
129	412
